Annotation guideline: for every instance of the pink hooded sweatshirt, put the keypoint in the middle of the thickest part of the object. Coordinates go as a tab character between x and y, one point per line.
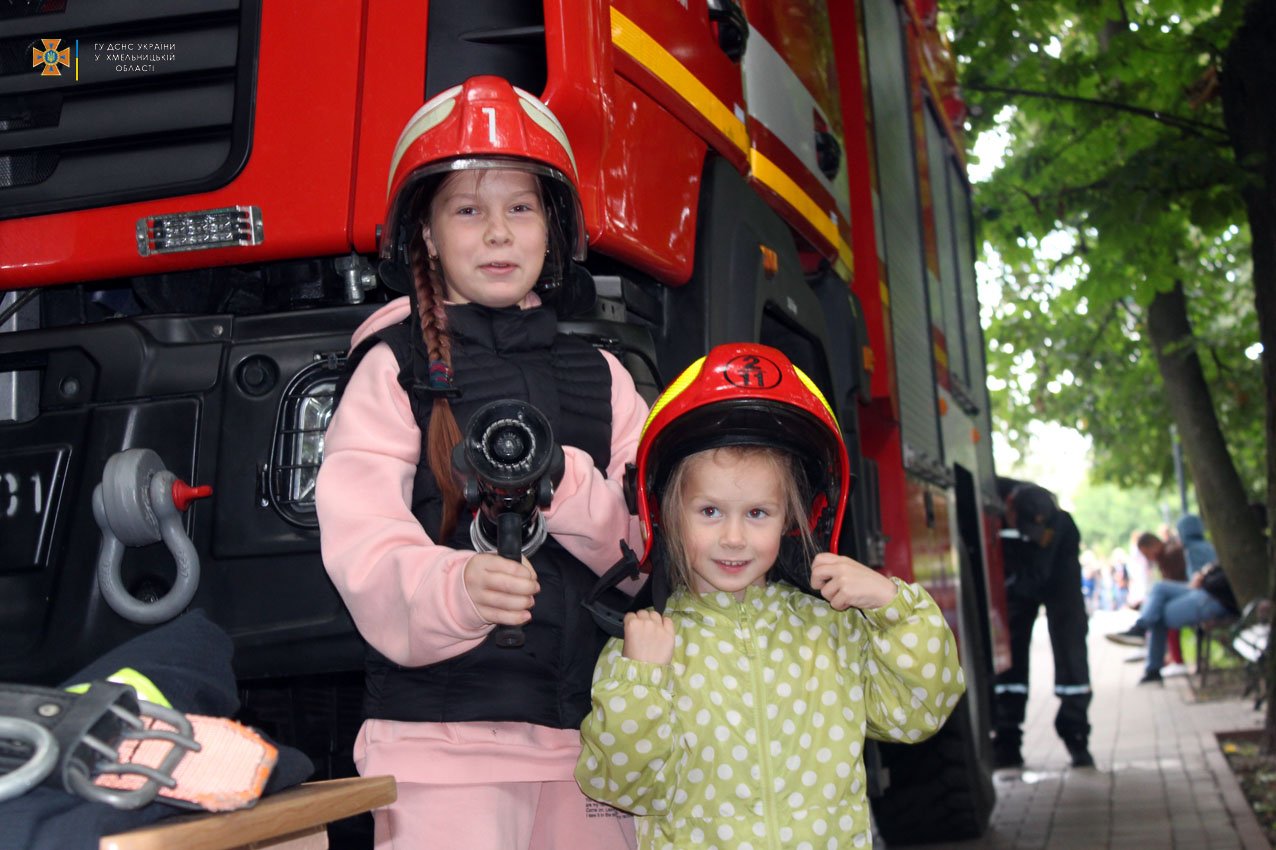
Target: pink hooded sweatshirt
406	593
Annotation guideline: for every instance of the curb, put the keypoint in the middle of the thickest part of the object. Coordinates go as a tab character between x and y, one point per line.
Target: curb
1248	829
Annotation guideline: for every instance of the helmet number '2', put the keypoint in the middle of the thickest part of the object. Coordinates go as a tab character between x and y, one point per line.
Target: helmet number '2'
750	370
491	123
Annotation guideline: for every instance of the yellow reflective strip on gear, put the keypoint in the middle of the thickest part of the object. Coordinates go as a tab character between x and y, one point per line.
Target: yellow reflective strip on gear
680	383
648	52
142	686
773	177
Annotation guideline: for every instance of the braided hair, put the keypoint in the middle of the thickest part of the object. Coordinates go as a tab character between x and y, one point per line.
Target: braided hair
444	433
428	281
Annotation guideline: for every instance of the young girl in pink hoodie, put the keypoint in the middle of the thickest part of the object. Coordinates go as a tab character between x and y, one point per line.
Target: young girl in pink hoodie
482	739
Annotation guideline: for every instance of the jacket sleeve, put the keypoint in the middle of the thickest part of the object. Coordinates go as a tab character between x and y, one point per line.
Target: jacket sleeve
589	516
911	674
406	593
627	740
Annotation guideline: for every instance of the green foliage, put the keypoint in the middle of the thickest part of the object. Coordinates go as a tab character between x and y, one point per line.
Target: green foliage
1118	180
1108	515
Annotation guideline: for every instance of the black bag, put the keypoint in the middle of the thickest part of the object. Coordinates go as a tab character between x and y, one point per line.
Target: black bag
1214	582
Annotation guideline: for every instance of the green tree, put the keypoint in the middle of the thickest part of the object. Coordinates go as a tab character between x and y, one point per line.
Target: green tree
1135	205
1108	515
1119	221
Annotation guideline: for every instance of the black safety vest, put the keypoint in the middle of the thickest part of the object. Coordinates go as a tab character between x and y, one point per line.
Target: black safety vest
507	354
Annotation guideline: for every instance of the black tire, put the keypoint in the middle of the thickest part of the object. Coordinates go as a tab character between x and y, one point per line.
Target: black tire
941	789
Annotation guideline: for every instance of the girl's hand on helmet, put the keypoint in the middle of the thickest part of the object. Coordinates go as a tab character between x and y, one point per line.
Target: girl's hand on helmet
846	583
502	591
648	637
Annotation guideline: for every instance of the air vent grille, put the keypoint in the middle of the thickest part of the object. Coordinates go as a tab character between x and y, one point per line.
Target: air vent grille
156	100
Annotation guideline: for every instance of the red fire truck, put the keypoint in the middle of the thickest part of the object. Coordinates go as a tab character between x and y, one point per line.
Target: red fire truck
190	197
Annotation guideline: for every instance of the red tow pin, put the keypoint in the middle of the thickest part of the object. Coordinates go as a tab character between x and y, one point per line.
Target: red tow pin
184	494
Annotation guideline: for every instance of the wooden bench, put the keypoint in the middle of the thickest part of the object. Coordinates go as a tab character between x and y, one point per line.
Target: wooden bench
294	819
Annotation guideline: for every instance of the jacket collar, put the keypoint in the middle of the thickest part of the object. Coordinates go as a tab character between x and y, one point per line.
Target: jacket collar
718	601
505	330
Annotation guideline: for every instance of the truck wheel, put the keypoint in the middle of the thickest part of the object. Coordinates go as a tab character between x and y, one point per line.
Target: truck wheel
941	789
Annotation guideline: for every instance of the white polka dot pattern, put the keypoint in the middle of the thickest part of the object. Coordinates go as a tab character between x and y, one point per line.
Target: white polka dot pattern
753	735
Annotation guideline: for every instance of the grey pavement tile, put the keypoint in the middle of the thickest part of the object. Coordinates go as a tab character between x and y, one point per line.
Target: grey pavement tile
1161	781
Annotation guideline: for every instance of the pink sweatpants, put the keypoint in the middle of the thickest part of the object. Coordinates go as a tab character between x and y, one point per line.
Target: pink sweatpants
507	816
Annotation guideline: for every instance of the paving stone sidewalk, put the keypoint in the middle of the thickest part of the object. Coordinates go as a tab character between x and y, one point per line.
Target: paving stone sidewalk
1160	780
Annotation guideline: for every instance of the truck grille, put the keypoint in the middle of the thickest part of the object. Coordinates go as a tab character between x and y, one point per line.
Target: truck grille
154	99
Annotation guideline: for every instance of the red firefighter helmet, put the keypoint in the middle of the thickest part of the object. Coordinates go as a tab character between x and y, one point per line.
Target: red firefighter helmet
484	123
744	394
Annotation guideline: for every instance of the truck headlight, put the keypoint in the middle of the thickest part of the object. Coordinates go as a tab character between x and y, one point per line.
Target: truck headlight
304	412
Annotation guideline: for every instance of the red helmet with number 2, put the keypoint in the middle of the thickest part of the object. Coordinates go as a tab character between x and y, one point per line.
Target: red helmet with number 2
744	394
484	123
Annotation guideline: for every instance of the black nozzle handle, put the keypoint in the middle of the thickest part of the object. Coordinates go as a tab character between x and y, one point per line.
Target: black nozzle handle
509	545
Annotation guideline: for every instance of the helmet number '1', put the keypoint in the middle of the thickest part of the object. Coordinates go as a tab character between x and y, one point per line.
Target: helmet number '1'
750	370
491	123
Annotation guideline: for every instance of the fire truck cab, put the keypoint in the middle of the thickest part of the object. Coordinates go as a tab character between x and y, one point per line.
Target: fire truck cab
189	215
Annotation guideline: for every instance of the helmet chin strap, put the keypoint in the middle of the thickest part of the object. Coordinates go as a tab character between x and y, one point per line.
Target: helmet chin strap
791	565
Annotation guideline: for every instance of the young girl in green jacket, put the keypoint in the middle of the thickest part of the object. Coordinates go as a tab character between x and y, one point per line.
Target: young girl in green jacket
734	713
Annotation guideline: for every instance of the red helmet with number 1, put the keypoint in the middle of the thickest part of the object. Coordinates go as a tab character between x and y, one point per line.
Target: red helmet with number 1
484	123
743	394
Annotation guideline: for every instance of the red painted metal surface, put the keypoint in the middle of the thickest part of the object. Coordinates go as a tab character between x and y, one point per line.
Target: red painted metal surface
799	32
775	150
881	442
580	91
650	188
857	131
639	159
298	170
685	32
934	559
999	622
383	107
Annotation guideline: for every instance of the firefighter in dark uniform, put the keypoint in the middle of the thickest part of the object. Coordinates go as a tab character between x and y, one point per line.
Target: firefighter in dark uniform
1041	549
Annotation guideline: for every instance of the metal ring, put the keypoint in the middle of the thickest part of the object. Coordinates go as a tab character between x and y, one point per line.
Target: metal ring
43	758
535	538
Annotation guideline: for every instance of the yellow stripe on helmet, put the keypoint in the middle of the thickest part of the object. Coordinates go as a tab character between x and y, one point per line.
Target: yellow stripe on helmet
693	371
673	390
815	391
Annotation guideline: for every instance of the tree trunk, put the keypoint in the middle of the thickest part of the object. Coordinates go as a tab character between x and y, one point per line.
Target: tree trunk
1224	505
1249	104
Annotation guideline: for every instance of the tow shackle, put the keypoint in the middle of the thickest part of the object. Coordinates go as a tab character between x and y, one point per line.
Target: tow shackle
140	502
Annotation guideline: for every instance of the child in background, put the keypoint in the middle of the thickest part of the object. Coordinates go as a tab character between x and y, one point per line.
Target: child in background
482	739
737	717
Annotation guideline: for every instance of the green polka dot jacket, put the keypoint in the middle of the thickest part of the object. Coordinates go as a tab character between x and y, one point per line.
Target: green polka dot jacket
753	736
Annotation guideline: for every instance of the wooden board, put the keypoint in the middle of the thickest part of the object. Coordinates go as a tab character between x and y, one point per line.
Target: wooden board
293	813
